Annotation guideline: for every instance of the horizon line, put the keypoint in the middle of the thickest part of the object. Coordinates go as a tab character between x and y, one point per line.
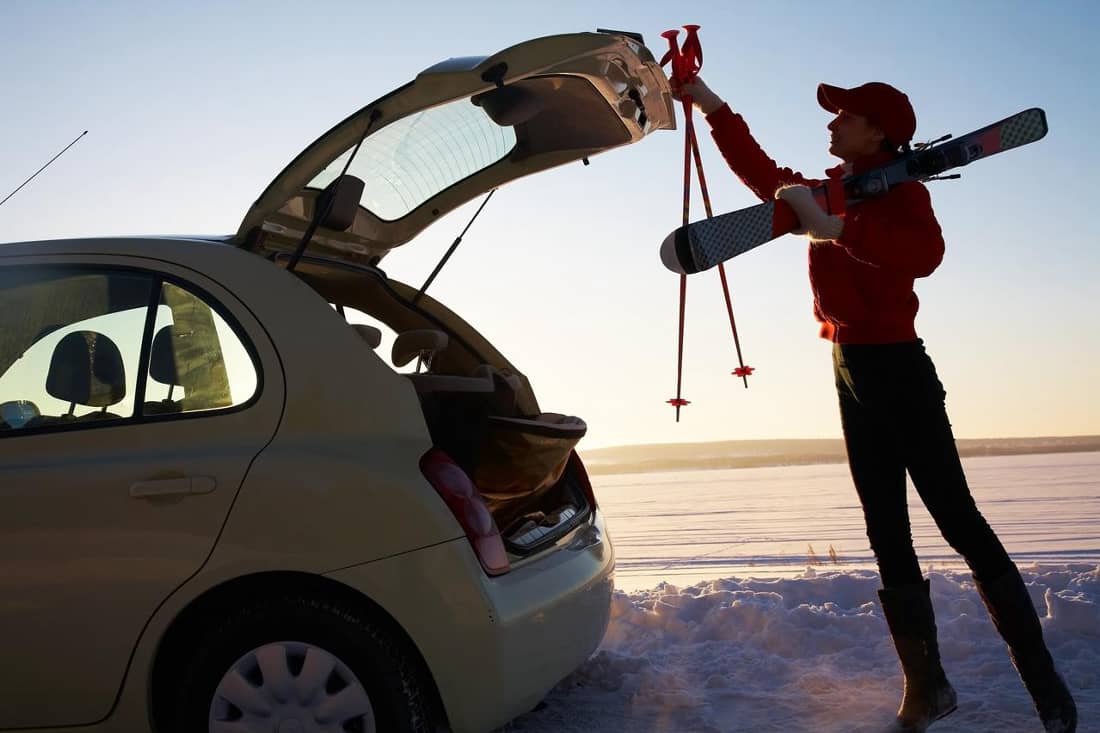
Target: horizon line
617	446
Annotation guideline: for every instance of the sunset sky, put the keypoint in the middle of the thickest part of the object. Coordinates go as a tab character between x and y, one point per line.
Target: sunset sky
193	108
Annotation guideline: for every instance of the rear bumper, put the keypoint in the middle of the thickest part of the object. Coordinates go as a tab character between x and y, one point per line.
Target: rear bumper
551	615
497	646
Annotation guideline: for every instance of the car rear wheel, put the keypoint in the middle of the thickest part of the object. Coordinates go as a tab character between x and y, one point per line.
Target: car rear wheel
301	665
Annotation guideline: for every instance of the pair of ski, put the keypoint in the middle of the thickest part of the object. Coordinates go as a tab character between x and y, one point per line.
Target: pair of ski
703	244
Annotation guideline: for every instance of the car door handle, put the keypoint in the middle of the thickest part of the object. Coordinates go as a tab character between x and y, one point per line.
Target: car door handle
173	486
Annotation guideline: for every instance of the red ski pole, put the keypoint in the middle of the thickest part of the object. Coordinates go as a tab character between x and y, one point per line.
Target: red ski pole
686	61
673	56
692	61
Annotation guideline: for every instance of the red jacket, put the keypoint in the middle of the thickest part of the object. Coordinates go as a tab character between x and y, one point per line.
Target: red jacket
862	282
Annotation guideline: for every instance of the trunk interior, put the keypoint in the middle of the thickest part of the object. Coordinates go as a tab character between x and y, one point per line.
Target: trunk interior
479	409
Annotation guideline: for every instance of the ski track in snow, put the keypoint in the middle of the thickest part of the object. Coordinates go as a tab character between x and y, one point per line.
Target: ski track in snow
812	654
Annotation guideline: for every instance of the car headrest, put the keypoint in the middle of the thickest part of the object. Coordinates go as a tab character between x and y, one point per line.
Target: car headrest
87	369
370	334
411	344
162	357
17	413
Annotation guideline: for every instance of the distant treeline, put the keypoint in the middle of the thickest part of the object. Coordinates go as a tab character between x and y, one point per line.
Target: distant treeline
755	453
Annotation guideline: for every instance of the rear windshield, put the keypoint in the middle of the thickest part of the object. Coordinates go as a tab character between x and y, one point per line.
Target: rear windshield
407	162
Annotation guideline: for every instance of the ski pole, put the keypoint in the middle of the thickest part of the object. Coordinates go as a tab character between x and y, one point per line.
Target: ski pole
692	52
686	61
673	56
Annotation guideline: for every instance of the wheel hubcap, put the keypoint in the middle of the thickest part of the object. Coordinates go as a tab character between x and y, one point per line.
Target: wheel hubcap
290	687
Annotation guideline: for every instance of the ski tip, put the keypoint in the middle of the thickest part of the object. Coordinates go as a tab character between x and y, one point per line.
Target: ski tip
1042	115
668	255
676	254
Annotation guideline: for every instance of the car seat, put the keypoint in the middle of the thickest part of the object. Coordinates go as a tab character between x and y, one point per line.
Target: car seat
162	368
371	335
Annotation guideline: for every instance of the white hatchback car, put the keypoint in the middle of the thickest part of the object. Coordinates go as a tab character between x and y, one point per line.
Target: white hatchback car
222	509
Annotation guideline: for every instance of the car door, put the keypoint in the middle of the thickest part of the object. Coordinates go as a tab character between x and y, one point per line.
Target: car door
134	396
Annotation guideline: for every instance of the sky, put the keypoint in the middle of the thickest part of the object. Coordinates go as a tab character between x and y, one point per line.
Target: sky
193	108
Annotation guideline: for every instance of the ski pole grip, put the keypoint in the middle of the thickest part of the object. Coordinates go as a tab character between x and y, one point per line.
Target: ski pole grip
673	53
675	57
691	55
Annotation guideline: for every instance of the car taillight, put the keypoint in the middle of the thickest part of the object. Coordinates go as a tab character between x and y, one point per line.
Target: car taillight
582	476
464	501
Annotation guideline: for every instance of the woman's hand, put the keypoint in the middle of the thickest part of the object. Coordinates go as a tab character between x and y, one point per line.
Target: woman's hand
701	95
813	222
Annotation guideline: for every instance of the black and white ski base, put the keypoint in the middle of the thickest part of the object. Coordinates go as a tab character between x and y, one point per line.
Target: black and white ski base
703	244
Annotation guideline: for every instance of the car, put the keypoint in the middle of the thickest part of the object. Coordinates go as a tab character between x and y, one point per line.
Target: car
222	508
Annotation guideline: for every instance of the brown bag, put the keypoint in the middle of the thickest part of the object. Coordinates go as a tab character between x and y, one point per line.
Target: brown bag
519	457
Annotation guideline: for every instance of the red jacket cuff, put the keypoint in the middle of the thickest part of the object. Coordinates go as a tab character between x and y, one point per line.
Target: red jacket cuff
721	116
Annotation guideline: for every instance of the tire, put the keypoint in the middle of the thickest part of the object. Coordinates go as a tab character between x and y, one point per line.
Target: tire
360	651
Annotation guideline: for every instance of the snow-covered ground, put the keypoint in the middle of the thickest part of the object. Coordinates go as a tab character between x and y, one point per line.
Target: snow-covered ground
756	633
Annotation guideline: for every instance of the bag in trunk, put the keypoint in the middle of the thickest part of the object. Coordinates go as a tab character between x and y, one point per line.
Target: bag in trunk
519	457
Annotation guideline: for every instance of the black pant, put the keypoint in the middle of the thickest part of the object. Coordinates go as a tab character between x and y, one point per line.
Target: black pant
893	415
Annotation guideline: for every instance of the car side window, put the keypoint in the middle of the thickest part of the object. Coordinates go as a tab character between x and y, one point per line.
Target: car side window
70	344
196	362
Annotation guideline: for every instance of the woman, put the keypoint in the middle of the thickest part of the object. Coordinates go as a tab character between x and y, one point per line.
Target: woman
862	269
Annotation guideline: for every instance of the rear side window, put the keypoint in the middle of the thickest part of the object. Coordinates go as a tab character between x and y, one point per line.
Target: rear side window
196	361
70	345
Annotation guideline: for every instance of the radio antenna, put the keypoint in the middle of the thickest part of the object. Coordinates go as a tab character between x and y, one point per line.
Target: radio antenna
24	183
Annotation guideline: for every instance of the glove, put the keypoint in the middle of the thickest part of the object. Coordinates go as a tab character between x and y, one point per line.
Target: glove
814	223
701	95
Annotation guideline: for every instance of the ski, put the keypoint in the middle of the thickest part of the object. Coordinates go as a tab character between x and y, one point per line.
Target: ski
703	244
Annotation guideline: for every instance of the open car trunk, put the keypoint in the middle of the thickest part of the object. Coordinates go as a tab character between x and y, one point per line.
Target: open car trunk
479	409
522	461
461	128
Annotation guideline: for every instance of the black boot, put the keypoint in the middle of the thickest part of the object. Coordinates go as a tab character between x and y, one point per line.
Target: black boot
1013	614
928	695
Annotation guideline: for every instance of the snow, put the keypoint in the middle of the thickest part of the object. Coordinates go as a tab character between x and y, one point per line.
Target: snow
777	645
